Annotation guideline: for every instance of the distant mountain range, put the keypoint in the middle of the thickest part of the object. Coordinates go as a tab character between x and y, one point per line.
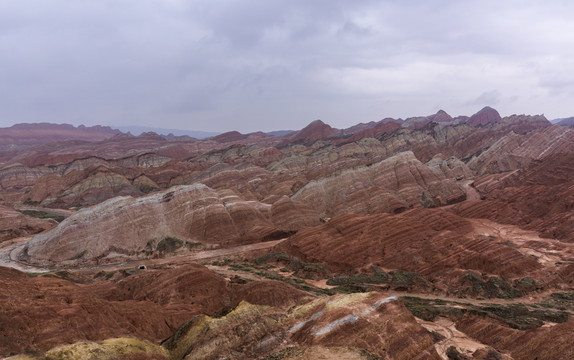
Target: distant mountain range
25	135
138	130
564	121
43	133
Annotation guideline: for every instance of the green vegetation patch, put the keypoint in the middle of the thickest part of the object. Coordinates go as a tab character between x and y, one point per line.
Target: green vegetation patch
43	215
560	300
377	277
280	256
263	271
494	287
352	288
563	296
302	269
305	270
526	285
429	309
171	244
78	255
286	353
104	274
401	279
517	316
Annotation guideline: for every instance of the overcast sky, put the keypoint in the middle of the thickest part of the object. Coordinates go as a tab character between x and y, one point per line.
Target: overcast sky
247	65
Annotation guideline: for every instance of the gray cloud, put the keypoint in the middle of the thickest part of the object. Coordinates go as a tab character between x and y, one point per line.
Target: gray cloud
268	64
493	97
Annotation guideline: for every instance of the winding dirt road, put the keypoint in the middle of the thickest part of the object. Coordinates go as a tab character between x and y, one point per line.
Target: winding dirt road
9	251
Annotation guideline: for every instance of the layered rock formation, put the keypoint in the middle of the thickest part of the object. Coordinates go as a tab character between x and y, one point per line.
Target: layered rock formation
115	348
185	217
392	185
452	254
515	151
539	197
476	207
523	344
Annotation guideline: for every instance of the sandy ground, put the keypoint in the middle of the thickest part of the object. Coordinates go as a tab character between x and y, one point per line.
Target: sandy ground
452	337
547	251
471	193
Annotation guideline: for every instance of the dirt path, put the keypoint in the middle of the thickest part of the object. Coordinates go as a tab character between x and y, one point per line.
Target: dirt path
469	190
9	251
548	252
211	254
452	337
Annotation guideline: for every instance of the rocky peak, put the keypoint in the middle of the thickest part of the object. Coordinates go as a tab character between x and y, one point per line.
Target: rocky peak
151	135
485	116
229	137
314	131
440	116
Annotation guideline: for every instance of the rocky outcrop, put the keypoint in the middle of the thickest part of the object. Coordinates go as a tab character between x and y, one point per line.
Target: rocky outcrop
229	137
243	177
451	168
127	227
441	117
374	132
378	324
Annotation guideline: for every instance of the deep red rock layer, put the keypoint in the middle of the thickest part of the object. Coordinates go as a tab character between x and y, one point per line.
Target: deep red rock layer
38	313
539	197
434	243
532	344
